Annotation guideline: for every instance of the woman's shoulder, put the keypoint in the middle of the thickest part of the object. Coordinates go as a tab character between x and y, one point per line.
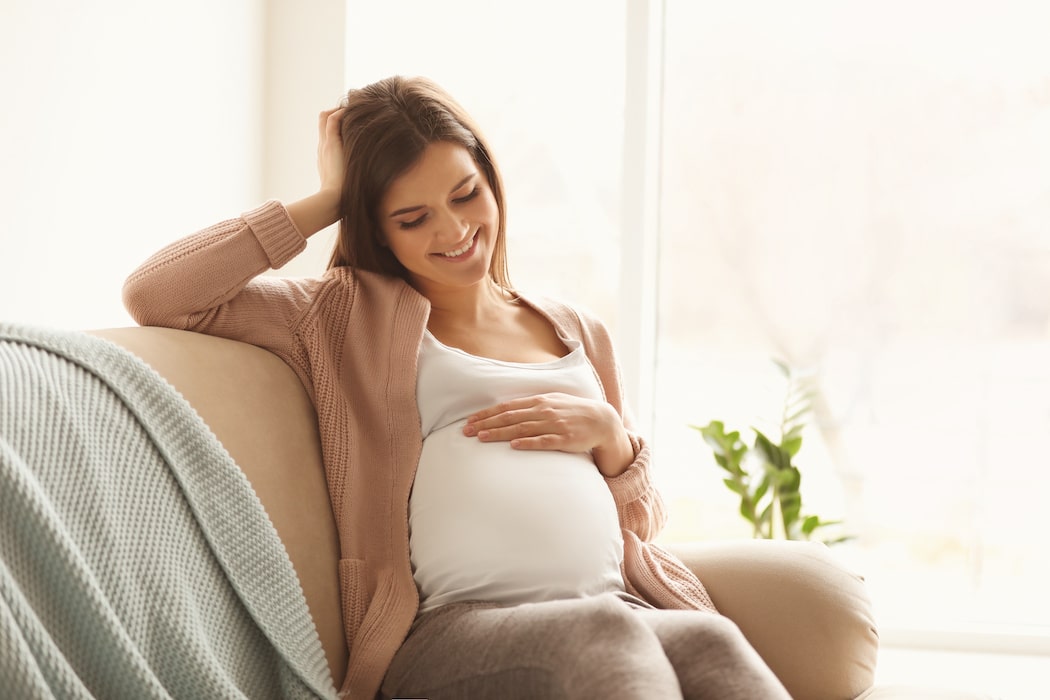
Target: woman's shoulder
570	311
347	279
368	297
573	319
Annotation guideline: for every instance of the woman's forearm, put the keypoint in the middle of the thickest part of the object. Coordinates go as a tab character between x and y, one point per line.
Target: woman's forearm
315	212
183	281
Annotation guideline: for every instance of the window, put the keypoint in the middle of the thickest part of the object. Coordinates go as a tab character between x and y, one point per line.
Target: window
863	190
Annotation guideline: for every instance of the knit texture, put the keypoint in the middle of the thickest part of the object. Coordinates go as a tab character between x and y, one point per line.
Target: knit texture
353	338
135	558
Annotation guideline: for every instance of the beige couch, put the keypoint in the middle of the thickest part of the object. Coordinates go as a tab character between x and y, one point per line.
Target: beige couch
809	617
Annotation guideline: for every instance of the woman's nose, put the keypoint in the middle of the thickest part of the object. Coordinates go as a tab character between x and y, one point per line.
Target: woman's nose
453	226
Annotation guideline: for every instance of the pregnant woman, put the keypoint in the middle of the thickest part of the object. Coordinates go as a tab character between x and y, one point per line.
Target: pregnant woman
495	510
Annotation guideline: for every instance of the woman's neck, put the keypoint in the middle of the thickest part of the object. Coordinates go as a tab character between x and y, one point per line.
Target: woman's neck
467	306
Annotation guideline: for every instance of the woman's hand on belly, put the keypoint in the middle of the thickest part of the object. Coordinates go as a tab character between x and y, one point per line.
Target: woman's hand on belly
559	422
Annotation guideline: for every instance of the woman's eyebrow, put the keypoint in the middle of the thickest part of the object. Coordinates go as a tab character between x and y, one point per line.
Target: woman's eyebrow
408	210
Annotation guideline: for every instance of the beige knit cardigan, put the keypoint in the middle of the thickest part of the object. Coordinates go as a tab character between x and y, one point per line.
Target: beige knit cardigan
353	338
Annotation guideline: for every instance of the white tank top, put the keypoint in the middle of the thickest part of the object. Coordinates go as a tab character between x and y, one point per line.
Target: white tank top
488	522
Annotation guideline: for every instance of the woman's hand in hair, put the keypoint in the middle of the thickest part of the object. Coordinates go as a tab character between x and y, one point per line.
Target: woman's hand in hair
321	210
557	422
330	164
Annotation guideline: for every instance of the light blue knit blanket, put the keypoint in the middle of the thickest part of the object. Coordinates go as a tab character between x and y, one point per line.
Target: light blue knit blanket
135	559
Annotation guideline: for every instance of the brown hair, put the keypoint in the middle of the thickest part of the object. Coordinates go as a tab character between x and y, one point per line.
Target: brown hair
386	127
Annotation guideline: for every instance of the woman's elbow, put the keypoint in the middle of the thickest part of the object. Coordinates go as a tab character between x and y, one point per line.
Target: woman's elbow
145	306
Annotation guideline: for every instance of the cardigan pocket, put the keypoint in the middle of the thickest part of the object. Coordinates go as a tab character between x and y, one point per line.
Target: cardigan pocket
353	595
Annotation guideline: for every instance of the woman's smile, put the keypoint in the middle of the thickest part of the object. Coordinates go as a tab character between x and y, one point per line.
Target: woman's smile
463	252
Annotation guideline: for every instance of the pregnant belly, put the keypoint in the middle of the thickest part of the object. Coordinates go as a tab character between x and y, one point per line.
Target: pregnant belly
492	523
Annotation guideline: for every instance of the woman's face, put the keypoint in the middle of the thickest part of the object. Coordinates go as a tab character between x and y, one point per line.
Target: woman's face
441	220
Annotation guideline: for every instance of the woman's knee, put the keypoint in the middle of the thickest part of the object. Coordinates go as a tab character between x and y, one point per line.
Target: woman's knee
691	635
711	656
609	652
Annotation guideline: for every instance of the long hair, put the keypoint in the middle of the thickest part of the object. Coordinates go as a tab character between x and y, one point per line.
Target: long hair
385	129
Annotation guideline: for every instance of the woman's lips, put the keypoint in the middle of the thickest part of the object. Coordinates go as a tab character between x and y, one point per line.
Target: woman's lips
462	251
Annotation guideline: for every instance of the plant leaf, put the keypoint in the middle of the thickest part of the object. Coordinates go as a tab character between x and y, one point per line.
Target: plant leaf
736	487
794	420
762	488
790	506
766	515
791	445
809	524
789	480
770	452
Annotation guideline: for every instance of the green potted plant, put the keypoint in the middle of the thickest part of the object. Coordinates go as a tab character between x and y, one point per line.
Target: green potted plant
763	473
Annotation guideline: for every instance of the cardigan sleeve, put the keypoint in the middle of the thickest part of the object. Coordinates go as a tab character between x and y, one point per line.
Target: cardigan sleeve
210	282
638	502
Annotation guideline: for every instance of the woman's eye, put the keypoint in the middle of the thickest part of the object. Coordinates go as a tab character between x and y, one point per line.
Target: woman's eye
468	197
414	222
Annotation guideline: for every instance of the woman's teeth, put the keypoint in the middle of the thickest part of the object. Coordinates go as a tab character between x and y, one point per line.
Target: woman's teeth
456	253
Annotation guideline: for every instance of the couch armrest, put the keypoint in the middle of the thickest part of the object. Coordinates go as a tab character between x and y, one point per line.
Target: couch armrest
808	616
258	409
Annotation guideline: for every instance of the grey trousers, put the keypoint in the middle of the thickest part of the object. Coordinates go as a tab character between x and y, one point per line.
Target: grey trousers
612	646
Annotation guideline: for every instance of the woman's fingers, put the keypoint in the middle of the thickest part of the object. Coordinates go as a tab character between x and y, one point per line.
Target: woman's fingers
333	118
330	164
505	407
536	435
523	428
542	422
322	120
494	421
558	422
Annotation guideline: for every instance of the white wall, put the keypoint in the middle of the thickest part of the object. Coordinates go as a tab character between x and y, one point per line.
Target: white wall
127	124
305	68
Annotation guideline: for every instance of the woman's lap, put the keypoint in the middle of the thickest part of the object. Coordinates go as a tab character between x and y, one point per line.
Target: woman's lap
606	646
710	656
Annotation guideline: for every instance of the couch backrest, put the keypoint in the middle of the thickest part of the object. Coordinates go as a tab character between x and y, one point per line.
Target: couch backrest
259	410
